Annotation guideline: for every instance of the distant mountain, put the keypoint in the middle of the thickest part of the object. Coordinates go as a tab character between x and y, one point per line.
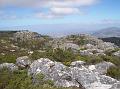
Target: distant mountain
108	32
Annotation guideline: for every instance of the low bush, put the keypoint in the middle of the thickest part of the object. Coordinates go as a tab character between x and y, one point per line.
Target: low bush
114	72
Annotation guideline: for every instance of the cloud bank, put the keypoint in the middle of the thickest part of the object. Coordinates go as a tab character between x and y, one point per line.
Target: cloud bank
54	8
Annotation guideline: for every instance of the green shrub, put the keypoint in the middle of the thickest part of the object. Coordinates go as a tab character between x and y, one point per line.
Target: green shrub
90	59
10	58
114	72
115	60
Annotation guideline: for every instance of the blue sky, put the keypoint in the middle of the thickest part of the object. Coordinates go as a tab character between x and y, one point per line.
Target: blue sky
69	14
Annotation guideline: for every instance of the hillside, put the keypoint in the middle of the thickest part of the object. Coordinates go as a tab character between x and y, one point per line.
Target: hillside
115	40
107	32
34	61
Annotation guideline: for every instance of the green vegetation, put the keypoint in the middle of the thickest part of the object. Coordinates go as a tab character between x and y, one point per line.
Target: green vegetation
42	49
114	72
20	80
64	56
7	58
79	40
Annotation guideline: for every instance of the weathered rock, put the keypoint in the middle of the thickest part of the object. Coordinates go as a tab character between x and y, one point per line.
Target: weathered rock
63	76
100	54
85	53
9	66
107	80
89	46
72	46
117	54
106	46
83	76
90	79
77	63
23	61
102	67
52	70
26	35
116	86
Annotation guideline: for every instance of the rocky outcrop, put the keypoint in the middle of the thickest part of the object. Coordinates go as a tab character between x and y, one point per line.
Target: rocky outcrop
23	61
77	63
117	54
116	86
85	53
76	75
25	35
102	67
9	66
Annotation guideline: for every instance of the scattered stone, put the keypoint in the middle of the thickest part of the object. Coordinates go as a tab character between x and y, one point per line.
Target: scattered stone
117	54
77	63
9	66
85	53
23	61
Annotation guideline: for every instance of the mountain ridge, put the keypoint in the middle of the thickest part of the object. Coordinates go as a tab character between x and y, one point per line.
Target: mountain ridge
107	32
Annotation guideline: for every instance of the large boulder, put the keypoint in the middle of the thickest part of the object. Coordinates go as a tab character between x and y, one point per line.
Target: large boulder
9	66
102	67
90	79
75	75
52	70
23	61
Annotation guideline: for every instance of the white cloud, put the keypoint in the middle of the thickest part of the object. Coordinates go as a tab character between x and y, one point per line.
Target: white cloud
43	15
55	8
47	3
64	11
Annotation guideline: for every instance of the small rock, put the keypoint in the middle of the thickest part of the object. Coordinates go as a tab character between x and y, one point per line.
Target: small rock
9	66
23	61
117	54
77	63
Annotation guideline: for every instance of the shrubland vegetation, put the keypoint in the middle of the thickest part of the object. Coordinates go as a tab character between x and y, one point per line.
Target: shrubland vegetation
20	80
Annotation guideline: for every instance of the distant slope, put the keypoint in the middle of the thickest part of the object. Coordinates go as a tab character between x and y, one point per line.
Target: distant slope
115	40
7	33
108	32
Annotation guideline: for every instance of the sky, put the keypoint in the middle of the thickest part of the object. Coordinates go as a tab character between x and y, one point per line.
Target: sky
55	16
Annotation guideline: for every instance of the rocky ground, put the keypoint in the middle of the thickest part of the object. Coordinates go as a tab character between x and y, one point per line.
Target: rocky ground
74	61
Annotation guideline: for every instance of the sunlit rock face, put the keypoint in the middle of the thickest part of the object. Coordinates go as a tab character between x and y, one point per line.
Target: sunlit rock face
23	61
117	54
25	35
78	73
116	86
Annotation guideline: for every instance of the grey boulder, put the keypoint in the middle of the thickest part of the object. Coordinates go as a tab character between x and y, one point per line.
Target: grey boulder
23	61
77	63
116	86
9	66
86	76
102	67
117	54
